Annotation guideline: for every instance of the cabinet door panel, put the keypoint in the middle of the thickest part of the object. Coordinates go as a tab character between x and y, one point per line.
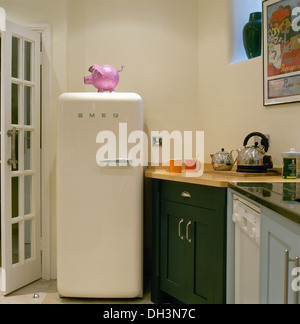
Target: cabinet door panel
277	235
172	250
201	271
192	269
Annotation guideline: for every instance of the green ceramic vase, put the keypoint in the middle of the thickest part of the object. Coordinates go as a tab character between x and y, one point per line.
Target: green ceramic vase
252	35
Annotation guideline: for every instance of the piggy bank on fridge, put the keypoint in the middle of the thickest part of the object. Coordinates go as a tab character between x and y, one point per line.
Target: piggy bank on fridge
103	77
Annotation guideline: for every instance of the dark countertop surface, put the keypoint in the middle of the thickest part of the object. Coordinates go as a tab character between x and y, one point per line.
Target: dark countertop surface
279	197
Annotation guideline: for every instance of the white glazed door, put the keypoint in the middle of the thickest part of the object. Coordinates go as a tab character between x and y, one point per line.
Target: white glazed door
20	157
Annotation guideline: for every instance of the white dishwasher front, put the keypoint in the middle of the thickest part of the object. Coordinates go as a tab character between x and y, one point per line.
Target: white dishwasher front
246	217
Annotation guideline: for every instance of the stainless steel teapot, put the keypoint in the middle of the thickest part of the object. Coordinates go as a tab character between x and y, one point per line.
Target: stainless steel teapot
252	158
223	161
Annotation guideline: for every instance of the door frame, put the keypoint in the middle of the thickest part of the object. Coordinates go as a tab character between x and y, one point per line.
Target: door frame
19	271
46	63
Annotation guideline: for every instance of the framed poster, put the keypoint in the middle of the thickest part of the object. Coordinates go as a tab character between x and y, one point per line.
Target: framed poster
281	51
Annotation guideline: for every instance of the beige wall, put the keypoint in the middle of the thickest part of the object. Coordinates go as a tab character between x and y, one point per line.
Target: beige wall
231	95
156	41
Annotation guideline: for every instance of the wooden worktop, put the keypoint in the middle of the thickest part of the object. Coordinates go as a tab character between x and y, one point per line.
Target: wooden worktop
211	178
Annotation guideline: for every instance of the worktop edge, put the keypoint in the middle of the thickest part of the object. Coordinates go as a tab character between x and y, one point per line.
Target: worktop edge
208	179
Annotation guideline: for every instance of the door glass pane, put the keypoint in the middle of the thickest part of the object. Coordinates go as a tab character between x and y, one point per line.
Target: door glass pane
27	150
27	60
27	194
15	103
28	239
15	57
14	197
15	243
27	105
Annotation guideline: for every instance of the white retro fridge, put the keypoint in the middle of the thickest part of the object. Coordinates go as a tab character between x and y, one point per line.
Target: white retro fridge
99	196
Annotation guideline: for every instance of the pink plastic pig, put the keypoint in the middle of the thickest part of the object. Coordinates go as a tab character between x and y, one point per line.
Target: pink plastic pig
104	77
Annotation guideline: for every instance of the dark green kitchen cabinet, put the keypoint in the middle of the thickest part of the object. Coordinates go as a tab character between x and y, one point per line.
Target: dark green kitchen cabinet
189	243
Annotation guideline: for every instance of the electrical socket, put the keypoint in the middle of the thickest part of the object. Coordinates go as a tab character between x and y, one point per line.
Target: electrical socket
157	141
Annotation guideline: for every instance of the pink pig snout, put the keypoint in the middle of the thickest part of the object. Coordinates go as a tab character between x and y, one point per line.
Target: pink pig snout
104	77
88	79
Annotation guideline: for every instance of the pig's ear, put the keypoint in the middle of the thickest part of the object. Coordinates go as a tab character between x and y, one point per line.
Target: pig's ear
96	69
92	69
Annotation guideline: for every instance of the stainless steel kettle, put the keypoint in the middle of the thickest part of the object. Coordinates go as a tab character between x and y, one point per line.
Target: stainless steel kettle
252	159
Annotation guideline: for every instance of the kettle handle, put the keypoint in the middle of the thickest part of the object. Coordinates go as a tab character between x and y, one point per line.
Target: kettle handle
264	142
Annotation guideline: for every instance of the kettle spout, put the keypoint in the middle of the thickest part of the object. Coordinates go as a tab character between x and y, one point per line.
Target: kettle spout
239	150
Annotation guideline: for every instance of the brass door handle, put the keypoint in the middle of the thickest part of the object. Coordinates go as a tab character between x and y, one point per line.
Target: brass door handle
179	229
187	232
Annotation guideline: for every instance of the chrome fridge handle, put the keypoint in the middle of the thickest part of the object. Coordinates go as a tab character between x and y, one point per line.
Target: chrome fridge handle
13	133
116	161
286	278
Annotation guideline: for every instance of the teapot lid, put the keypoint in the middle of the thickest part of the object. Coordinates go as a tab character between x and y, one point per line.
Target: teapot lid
222	151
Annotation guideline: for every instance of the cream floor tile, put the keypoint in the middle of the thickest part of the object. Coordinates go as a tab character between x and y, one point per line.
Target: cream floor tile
31	294
45	292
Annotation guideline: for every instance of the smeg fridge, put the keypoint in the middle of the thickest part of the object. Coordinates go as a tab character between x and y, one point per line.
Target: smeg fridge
99	196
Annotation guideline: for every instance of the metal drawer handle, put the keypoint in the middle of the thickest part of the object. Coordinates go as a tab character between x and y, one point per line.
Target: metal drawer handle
187	232
286	278
179	229
186	194
13	133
